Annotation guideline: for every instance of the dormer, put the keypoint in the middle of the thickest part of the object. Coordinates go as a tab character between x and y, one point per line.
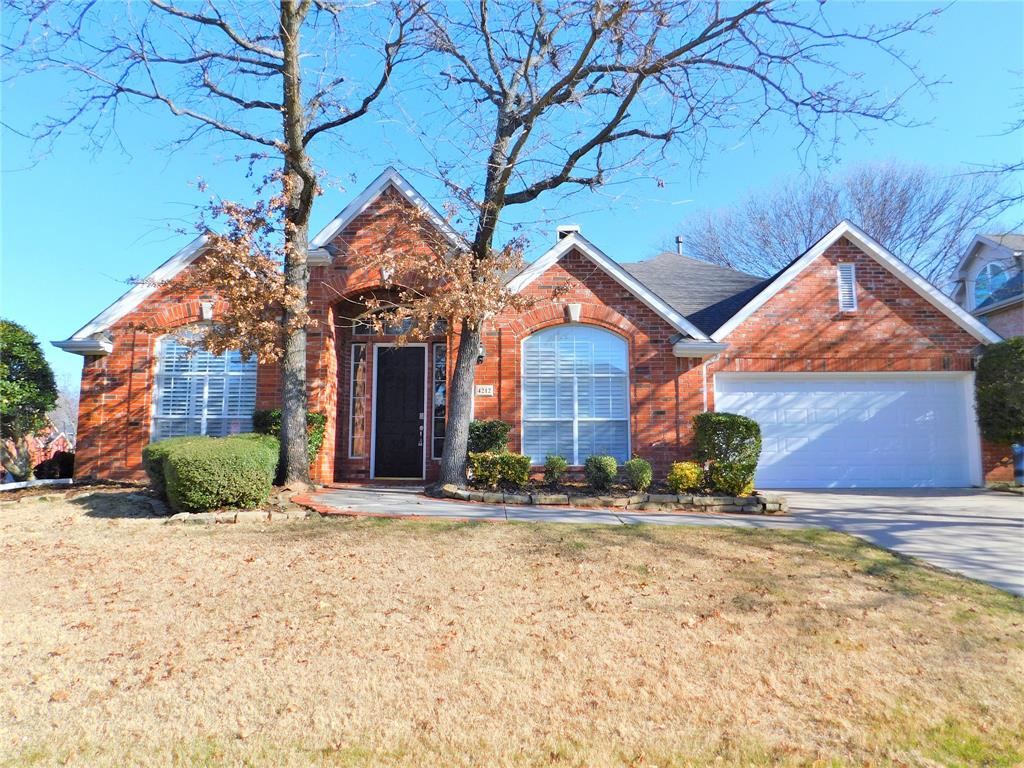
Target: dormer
991	265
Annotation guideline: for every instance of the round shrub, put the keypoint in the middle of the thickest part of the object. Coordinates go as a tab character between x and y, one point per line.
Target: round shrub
728	445
686	477
600	471
999	391
213	472
507	470
154	457
555	468
488	436
638	473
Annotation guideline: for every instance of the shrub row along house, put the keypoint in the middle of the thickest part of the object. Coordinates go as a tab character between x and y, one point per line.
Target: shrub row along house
858	370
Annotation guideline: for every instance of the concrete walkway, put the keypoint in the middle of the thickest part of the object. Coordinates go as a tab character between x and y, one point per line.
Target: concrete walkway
974	532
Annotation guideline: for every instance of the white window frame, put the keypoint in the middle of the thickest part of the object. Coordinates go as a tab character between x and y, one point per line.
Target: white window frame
847	273
192	415
352	454
575	460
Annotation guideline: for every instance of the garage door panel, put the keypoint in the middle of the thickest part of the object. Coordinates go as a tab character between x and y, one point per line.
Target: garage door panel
823	430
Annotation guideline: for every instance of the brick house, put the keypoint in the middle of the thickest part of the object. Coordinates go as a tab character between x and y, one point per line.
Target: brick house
990	282
859	371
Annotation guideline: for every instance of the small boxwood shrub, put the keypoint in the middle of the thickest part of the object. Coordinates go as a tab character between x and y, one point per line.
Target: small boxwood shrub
212	472
489	436
269	423
600	471
555	468
638	473
154	457
728	445
506	470
686	477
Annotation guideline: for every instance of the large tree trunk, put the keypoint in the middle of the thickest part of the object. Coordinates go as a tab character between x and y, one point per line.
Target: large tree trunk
301	185
460	407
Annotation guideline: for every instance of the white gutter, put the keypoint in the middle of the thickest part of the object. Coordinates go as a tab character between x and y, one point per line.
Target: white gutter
701	349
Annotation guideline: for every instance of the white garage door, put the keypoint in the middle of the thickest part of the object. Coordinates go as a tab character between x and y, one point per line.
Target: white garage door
836	431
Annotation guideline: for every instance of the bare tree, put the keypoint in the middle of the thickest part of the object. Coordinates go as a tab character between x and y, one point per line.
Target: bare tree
547	97
924	216
268	75
64	415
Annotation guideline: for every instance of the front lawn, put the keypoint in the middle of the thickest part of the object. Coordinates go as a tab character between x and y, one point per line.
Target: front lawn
356	642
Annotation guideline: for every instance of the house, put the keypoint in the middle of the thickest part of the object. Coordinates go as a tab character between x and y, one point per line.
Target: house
990	282
859	371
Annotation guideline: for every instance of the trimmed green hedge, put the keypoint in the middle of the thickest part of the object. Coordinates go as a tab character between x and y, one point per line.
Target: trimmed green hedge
488	436
600	471
269	423
508	470
154	457
729	446
213	472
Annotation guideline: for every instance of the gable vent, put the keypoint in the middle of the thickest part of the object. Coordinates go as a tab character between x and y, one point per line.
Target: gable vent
847	278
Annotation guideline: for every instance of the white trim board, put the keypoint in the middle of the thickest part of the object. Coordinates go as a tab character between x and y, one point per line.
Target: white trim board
576	241
373	416
862	240
81	341
389	178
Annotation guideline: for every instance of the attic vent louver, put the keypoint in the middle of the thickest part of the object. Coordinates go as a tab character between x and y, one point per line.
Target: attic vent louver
847	279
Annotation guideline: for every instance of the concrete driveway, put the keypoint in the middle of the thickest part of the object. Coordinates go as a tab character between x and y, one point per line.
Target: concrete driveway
975	532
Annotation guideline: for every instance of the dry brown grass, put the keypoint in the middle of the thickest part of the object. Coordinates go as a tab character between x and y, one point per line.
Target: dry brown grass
125	641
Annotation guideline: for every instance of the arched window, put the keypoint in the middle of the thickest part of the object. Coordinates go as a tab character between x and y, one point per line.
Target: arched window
199	393
990	279
575	394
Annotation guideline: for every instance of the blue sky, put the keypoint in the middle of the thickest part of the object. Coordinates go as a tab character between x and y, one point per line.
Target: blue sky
77	224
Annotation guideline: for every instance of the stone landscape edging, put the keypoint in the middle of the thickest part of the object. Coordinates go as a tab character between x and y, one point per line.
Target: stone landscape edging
757	504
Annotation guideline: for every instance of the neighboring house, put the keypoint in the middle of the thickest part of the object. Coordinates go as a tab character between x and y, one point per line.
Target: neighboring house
41	445
990	282
859	371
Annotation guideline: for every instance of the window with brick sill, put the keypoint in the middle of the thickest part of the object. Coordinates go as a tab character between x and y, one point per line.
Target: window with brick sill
199	393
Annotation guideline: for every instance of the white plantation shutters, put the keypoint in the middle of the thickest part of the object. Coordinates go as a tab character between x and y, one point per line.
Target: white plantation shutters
847	278
198	393
575	394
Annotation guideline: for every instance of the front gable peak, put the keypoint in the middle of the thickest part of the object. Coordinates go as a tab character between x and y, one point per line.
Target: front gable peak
572	241
319	246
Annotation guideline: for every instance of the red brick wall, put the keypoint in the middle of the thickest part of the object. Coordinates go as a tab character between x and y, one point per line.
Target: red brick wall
658	403
116	405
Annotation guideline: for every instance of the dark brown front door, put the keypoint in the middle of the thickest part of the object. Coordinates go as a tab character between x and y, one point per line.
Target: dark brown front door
398	444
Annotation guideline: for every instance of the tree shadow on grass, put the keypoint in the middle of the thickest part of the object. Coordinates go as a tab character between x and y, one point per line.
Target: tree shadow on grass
112	505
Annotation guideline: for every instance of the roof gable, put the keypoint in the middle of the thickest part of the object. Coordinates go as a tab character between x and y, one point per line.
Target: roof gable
576	242
319	252
869	246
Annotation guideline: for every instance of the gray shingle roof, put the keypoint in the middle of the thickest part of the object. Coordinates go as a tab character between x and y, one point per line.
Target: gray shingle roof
706	294
1012	241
